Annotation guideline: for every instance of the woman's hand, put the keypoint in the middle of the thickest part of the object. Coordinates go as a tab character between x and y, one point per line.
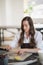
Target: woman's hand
7	47
22	51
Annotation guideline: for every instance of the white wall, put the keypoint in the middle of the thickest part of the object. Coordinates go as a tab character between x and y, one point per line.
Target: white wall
2	12
11	12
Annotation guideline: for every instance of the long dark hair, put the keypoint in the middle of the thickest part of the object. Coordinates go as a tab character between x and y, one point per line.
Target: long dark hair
31	32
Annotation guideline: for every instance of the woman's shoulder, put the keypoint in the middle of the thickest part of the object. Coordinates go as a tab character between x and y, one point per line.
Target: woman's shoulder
37	34
17	35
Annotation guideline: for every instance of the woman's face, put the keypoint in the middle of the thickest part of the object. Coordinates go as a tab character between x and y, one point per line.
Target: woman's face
26	26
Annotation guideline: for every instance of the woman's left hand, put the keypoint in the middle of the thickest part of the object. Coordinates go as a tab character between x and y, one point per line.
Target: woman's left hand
22	51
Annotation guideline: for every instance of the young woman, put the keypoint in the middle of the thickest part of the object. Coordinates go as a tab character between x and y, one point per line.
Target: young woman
28	39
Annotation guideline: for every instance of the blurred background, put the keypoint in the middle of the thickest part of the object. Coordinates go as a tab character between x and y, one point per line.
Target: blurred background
12	12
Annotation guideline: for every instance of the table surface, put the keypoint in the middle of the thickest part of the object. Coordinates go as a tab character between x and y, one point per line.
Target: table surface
12	51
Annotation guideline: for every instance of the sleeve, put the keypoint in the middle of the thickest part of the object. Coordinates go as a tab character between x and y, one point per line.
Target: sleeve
14	43
39	42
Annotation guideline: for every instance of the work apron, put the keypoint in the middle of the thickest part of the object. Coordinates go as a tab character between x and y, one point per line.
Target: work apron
33	56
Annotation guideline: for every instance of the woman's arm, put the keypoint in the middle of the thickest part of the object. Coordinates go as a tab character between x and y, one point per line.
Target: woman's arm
38	39
32	50
35	50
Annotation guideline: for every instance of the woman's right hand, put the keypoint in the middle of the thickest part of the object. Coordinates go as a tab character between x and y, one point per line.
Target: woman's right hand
17	51
7	47
20	51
